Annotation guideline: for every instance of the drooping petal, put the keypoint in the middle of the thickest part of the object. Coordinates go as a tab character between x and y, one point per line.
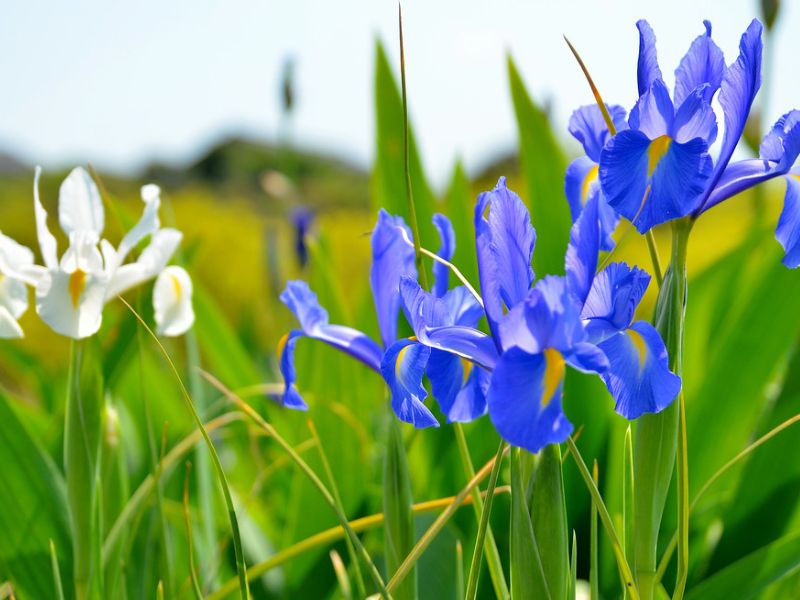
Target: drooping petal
403	367
587	358
172	302
524	400
458	386
695	119
739	87
47	242
72	303
580	180
80	208
703	63
441	273
782	144
505	244
654	112
788	230
583	250
647	68
291	397
313	318
615	293
9	328
623	172
150	263
16	262
588	126
638	376
13	296
609	219
392	258
148	223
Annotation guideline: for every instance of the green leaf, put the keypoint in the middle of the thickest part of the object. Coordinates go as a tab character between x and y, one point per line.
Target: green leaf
543	167
748	577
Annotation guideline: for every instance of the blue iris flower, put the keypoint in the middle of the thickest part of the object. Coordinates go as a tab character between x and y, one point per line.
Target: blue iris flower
401	362
582	320
660	168
588	126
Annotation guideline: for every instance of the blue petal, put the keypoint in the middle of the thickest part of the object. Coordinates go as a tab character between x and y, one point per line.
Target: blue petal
623	172
654	112
549	318
470	343
458	386
580	180
588	126
788	230
423	310
304	304
638	377
695	119
290	398
778	151
519	412
647	68
441	273
403	367
609	219
739	88
461	307
612	301
504	244
583	250
587	358
703	63
392	258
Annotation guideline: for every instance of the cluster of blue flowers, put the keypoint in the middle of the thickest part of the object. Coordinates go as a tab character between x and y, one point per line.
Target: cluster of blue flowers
653	168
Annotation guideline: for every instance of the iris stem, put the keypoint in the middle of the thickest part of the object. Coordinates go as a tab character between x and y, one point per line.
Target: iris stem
652	248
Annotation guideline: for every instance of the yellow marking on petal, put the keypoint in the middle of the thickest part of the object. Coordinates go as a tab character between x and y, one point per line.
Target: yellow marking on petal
795	176
176	284
282	344
413	338
591	177
639	344
554	369
77	282
656	151
467	370
399	361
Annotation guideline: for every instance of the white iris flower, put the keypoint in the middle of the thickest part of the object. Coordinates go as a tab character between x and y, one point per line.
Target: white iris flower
71	292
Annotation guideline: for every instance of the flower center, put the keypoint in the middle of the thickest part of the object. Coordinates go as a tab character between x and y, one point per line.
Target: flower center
554	369
77	283
591	177
658	148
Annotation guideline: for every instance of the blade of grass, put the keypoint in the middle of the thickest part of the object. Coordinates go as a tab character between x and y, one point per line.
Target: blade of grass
241	570
315	480
628	499
361	588
438	524
189	545
594	566
683	502
341	575
626	575
459	570
56	572
573	568
477	553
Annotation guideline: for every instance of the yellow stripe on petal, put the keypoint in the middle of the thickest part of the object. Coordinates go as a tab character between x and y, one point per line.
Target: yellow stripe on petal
656	151
77	282
176	284
467	370
399	361
639	344
554	369
282	344
591	177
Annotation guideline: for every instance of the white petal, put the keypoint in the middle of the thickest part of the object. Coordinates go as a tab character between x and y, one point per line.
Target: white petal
82	254
9	328
151	262
172	302
80	207
16	261
13	296
47	242
148	223
72	303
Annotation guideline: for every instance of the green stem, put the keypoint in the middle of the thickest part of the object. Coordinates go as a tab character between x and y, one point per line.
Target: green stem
656	438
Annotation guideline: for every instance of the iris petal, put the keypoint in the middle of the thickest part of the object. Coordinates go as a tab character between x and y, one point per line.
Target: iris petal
391	259
403	367
588	126
654	112
788	230
703	63
647	68
458	386
580	180
587	358
517	406
638	377
623	172
695	118
291	397
583	250
616	292
441	273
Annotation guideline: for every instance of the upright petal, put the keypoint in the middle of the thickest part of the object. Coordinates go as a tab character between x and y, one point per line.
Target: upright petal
47	242
647	68
638	376
304	305
403	367
703	63
583	250
172	302
616	292
739	87
788	230
588	126
79	205
392	258
695	119
147	224
654	112
441	273
523	408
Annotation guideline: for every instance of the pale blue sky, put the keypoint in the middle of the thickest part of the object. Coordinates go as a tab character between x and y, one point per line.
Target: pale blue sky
118	84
